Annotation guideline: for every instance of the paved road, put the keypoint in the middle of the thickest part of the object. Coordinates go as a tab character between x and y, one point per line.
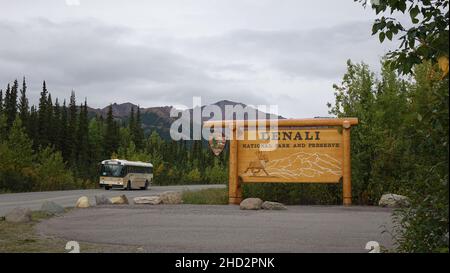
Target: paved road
34	200
197	228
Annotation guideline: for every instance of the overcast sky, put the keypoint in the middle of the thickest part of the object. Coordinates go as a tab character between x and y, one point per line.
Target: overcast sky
163	52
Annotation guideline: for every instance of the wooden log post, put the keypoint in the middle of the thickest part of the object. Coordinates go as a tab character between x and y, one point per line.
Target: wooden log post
347	174
234	187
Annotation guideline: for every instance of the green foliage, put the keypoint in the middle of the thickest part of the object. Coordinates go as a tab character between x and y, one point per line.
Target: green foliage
401	146
193	177
426	38
52	173
22	170
16	166
3	127
217	174
130	153
424	226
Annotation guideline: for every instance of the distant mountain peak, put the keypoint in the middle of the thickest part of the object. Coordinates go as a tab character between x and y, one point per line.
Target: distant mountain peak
156	118
228	102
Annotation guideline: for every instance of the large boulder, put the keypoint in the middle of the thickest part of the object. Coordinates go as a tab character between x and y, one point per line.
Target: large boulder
273	206
102	200
151	200
171	197
391	200
51	207
251	204
119	200
82	202
18	215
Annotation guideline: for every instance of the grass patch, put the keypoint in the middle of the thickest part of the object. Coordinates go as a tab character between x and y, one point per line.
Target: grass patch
22	238
206	197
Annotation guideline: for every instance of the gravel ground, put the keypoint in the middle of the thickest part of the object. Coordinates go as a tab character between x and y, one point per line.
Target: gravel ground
225	228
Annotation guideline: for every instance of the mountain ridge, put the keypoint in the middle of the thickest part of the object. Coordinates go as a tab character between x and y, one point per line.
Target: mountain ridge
158	117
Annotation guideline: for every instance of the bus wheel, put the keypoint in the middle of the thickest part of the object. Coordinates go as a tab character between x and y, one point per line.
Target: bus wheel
146	185
107	188
129	185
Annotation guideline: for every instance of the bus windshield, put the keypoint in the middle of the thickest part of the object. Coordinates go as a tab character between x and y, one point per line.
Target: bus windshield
111	170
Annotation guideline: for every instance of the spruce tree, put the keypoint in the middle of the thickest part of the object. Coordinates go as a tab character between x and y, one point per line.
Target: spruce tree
111	138
43	121
131	122
83	141
51	122
33	128
56	125
138	134
7	99
63	129
95	138
72	129
1	101
23	104
11	103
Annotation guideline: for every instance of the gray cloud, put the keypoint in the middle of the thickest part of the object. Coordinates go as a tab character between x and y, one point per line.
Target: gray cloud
255	52
98	62
316	52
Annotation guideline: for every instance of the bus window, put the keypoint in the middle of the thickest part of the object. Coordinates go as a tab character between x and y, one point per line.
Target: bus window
124	170
111	170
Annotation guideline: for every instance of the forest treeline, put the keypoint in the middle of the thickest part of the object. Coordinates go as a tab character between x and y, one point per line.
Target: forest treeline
56	146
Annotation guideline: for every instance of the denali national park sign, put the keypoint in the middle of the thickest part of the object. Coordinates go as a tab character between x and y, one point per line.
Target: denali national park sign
296	151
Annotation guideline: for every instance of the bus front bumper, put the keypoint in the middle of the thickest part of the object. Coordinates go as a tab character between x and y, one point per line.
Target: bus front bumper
114	183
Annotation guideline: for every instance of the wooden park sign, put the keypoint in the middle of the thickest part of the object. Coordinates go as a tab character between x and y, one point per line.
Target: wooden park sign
296	151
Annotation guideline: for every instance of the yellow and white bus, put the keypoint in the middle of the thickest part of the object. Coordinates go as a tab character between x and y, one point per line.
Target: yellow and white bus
124	174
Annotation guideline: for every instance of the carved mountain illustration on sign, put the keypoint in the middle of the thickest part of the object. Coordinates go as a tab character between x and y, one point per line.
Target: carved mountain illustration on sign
303	164
297	165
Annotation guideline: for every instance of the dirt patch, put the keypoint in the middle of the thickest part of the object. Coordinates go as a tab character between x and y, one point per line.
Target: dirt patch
23	238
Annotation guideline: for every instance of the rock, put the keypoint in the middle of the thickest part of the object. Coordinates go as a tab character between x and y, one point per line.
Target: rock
273	206
391	200
140	249
83	202
119	200
171	197
18	215
52	208
102	200
151	200
251	204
